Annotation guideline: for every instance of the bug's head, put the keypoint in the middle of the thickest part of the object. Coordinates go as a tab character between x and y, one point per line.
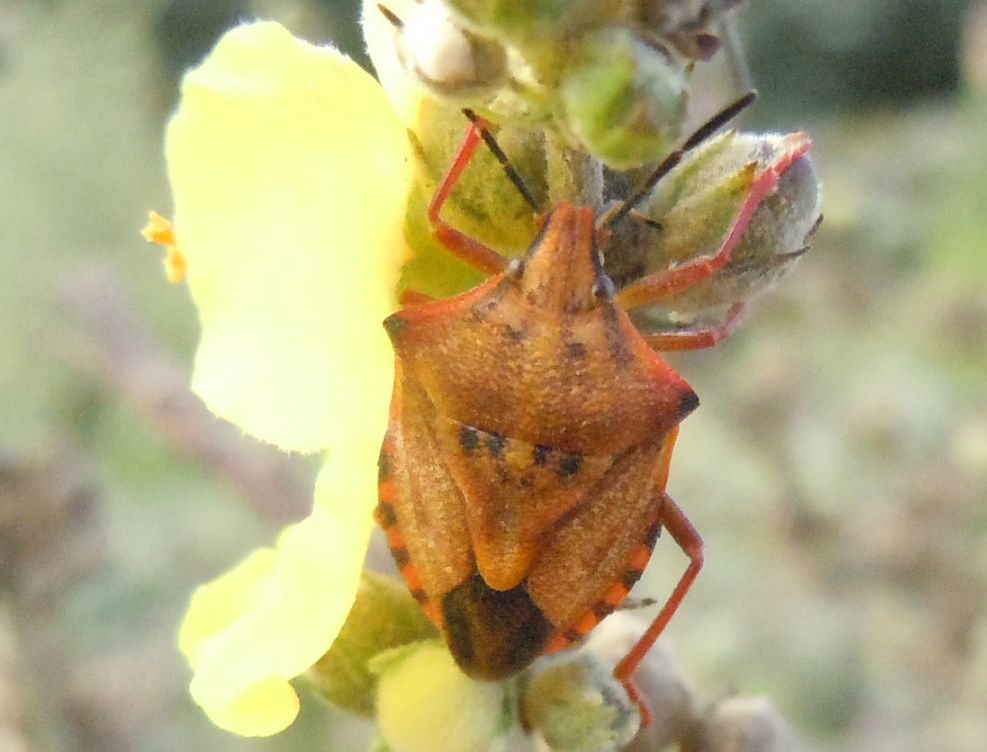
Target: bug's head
563	268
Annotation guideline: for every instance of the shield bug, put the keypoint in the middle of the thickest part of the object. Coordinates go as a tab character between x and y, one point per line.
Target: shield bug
523	474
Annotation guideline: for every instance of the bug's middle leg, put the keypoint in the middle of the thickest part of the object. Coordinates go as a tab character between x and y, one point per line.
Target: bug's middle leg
696	339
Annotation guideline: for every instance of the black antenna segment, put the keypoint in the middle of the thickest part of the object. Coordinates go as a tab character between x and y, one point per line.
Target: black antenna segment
702	133
488	138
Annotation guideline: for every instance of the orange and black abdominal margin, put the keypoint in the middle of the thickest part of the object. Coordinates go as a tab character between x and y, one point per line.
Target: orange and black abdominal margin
491	633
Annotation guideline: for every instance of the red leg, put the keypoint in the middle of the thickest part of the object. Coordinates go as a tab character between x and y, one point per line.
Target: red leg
468	249
695	339
670	281
689	540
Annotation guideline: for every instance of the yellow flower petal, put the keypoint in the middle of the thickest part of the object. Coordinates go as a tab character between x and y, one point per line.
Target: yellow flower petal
265	708
273	616
290	173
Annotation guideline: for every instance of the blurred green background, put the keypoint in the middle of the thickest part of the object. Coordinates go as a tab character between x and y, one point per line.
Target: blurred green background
837	468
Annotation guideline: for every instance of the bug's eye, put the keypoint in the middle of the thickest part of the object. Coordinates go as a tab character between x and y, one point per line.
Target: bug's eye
516	268
603	288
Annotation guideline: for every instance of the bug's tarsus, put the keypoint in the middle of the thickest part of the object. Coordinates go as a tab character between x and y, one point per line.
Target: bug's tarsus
633	604
512	174
644	219
793	254
704	131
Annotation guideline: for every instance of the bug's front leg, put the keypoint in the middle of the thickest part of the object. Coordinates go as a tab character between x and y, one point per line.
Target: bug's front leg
468	249
691	543
662	284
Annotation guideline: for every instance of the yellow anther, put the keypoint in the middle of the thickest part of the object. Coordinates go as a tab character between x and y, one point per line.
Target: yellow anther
160	230
175	264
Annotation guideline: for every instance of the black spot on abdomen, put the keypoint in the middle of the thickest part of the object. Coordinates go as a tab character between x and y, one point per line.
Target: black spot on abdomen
469	438
493	634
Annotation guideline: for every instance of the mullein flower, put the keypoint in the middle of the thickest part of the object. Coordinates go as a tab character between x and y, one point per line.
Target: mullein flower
290	172
292	176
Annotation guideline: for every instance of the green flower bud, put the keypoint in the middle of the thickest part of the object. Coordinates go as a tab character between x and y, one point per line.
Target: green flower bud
383	616
484	203
623	100
697	205
575	705
740	724
451	61
425	703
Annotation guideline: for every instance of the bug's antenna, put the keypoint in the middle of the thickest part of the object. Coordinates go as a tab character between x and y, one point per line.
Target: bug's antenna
704	131
391	16
481	127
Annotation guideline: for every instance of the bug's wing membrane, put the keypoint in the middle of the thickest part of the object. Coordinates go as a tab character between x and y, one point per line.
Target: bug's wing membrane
593	549
427	502
514	492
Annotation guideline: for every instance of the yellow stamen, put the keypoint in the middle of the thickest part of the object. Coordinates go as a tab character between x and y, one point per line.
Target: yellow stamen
159	230
175	264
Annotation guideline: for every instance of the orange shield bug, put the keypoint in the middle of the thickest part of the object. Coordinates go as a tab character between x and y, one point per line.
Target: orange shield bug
523	474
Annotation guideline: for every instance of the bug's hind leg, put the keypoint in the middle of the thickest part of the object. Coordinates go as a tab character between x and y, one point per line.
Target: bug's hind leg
691	543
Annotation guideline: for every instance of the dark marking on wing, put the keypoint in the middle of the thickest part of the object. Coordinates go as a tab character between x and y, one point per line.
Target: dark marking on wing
540	454
495	444
469	439
514	335
576	350
570	464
